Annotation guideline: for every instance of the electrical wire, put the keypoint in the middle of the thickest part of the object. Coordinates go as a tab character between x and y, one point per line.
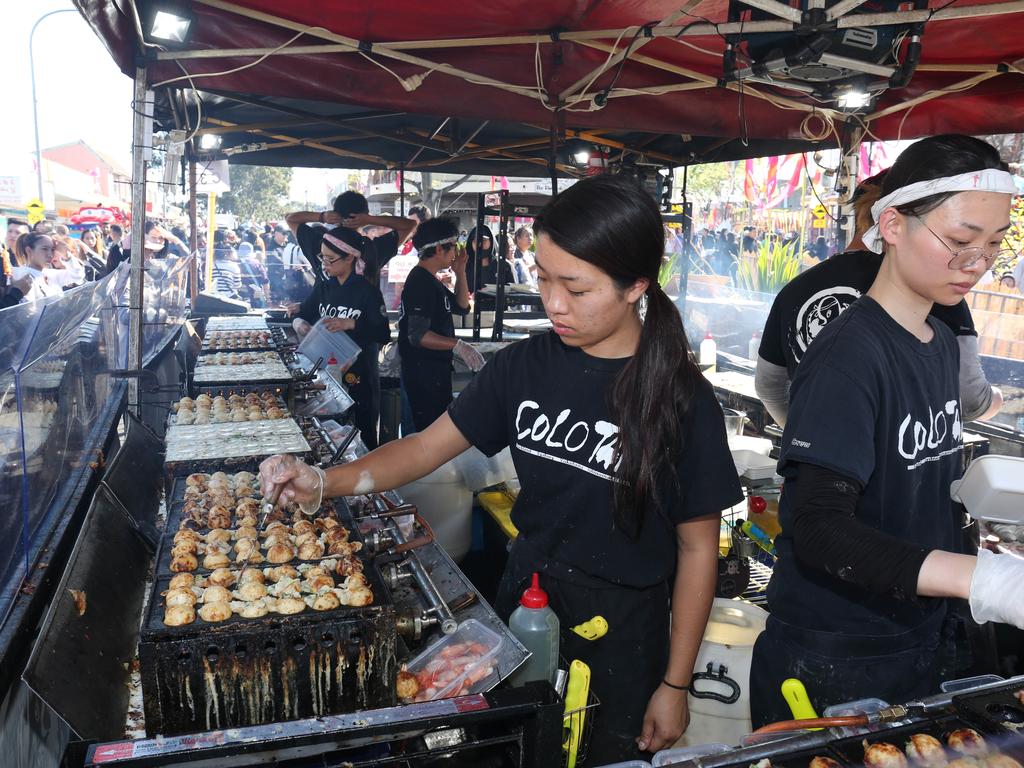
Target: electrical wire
244	66
810	183
199	105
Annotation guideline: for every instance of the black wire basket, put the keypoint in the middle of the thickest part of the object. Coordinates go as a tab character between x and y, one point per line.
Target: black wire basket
577	730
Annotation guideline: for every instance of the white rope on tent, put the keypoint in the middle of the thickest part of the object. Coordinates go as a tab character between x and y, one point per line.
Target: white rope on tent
382	51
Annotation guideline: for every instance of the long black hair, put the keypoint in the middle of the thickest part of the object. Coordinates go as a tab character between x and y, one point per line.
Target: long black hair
615	225
935	157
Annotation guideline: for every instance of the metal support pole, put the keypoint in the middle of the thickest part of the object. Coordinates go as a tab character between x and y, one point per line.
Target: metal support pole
193	231
401	190
499	251
138	218
35	107
477	269
553	167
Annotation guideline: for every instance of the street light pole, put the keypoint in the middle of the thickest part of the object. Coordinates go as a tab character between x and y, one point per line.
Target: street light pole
35	109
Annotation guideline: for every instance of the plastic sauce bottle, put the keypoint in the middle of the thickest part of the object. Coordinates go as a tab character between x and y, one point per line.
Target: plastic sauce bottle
708	357
536	626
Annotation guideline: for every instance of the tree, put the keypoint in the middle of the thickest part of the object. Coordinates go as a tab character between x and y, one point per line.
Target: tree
430	196
258	193
704	183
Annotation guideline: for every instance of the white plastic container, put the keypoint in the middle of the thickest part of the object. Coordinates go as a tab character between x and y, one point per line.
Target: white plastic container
682	754
447	504
475	677
321	342
992	489
753	465
708	357
728	647
480	471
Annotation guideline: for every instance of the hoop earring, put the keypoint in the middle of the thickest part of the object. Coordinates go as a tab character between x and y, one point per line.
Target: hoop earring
642	308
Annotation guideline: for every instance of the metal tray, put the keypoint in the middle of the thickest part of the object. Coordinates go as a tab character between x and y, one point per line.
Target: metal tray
176	500
232	440
266	672
172	418
236	323
269	345
998	710
154	629
852	748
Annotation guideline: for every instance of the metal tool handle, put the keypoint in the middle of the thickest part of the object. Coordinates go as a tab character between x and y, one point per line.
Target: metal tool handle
344	446
436	603
419	541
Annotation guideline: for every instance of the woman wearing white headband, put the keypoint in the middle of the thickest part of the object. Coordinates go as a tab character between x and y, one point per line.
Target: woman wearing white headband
345	301
870	551
426	331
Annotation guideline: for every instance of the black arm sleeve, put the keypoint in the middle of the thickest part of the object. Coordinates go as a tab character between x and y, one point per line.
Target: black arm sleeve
827	536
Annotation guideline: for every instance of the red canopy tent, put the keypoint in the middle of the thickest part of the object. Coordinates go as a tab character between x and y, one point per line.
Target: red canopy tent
540	66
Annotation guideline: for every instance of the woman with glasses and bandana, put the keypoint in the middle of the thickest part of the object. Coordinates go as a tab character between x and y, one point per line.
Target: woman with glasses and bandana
869	560
813	299
347	302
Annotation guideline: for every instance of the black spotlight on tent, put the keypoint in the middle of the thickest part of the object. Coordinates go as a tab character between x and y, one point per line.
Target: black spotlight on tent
825	57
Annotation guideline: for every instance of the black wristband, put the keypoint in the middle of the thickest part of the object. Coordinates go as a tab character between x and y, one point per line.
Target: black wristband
675	687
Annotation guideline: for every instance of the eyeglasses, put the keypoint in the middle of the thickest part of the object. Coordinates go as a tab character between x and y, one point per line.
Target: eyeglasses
336	259
965	258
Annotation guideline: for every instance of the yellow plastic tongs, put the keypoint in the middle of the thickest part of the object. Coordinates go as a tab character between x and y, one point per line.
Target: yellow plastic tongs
576	693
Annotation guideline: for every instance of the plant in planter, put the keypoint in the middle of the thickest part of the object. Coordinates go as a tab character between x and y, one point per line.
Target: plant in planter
774	265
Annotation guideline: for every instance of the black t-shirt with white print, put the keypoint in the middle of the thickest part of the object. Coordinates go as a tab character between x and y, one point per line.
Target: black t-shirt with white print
549	402
426	296
818	296
363	302
875	404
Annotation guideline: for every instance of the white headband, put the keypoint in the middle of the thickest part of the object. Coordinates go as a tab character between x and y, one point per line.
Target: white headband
988	180
337	242
447	240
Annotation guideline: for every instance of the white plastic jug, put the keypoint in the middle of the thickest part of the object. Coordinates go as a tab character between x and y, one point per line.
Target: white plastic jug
445	502
723	669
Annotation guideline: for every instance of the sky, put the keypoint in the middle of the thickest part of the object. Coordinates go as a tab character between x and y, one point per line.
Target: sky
80	92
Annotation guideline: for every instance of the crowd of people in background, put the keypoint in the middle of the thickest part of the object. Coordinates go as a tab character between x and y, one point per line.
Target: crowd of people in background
719	251
275	263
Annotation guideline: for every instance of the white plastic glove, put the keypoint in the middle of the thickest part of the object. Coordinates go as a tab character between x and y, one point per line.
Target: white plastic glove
469	355
995	589
299	482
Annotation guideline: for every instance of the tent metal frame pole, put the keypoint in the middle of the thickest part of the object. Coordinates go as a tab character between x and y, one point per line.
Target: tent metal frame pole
136	284
963	85
401	190
477	269
631	47
193	231
672	31
434	66
499	251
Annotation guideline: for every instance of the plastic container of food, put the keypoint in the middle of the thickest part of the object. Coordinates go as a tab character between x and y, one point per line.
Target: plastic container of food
753	466
458	664
677	755
321	342
992	489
